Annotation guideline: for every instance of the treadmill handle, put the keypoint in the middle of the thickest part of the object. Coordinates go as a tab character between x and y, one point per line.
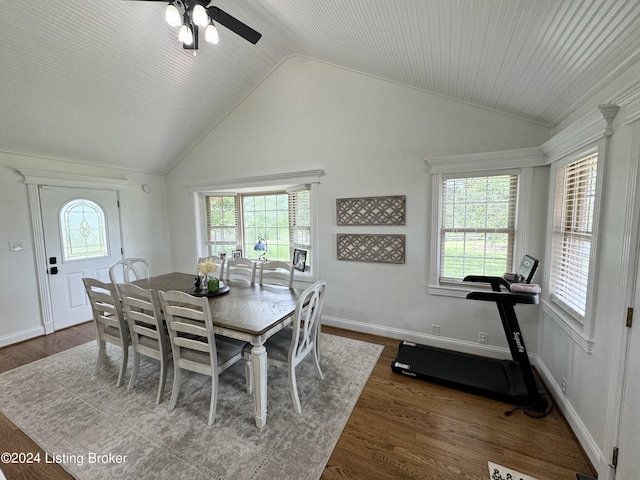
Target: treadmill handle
495	282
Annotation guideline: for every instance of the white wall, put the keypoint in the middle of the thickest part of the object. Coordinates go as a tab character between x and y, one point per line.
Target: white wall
145	227
371	138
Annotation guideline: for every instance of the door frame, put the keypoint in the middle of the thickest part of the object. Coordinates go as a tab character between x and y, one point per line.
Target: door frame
627	287
34	179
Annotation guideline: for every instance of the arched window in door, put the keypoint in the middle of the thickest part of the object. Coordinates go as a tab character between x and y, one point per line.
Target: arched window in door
84	230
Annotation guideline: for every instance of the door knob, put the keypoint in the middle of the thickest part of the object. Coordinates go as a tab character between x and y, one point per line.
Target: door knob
53	270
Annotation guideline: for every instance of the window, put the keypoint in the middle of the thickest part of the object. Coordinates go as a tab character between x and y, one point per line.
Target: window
481	215
477	229
280	221
573	216
266	219
222	223
84	230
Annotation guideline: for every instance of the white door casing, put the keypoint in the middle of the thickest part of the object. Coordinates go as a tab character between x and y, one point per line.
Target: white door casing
82	239
629	448
34	179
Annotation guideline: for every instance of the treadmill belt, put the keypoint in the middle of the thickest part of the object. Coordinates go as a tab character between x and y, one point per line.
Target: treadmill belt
493	377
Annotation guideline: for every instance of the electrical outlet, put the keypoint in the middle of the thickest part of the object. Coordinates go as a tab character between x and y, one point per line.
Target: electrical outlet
435	330
564	386
483	338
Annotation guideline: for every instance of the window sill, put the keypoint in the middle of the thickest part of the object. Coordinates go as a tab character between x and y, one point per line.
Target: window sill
572	327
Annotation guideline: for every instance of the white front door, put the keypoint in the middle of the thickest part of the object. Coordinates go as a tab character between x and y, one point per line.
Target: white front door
82	239
628	444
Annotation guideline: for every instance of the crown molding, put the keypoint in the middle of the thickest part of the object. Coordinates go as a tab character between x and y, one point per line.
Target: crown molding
589	129
629	99
59	179
477	162
306	176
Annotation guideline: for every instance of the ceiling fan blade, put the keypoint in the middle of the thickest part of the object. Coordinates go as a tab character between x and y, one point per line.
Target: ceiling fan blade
233	24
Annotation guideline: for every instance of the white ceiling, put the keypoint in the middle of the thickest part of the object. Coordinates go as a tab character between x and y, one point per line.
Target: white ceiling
106	81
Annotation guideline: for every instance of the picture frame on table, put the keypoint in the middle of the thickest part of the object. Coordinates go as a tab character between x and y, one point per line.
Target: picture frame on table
299	259
236	254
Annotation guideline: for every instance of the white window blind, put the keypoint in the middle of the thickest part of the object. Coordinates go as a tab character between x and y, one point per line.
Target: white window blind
573	224
478	225
221	224
300	218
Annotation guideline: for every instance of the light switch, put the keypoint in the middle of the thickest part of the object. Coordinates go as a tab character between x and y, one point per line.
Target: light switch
16	246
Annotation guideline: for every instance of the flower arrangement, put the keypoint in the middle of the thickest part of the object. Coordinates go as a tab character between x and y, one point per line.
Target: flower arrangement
207	267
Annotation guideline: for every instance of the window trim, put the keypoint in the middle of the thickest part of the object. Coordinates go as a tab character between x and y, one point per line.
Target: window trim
523	159
265	183
581	330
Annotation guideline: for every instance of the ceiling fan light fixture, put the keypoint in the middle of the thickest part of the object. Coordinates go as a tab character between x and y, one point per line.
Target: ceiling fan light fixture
172	15
200	16
211	34
185	35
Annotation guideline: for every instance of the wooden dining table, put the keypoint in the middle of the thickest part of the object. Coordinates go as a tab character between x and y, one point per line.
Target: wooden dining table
249	312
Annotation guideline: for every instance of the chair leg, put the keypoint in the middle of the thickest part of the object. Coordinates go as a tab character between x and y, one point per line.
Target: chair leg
316	362
134	371
163	381
248	373
102	348
123	364
294	390
176	387
214	400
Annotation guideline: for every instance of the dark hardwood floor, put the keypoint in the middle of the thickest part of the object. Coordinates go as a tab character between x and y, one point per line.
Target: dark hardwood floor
401	428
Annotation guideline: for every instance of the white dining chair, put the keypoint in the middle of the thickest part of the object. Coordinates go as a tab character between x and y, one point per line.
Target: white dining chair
240	269
109	322
273	272
194	344
128	270
141	309
287	348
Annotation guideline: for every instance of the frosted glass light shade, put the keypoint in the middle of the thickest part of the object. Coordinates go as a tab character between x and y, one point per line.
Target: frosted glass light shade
172	15
200	16
211	34
185	35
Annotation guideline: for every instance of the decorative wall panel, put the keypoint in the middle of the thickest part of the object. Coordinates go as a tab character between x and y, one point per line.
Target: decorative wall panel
371	210
371	248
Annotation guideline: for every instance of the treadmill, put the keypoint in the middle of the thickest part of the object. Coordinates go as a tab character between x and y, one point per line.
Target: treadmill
508	380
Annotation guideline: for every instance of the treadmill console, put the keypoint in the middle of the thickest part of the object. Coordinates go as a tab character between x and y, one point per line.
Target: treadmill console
527	269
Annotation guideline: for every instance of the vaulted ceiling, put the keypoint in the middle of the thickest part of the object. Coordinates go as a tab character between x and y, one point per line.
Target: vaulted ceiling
106	81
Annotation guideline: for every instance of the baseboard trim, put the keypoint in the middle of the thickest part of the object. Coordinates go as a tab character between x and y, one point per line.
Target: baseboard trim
21	336
422	338
587	442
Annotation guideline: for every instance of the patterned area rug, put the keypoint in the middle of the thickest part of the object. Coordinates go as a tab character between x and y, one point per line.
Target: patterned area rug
96	430
498	472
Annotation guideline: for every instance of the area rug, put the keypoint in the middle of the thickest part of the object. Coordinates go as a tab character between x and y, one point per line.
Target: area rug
95	430
498	472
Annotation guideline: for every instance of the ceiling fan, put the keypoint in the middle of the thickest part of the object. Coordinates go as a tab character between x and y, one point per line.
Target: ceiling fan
189	15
